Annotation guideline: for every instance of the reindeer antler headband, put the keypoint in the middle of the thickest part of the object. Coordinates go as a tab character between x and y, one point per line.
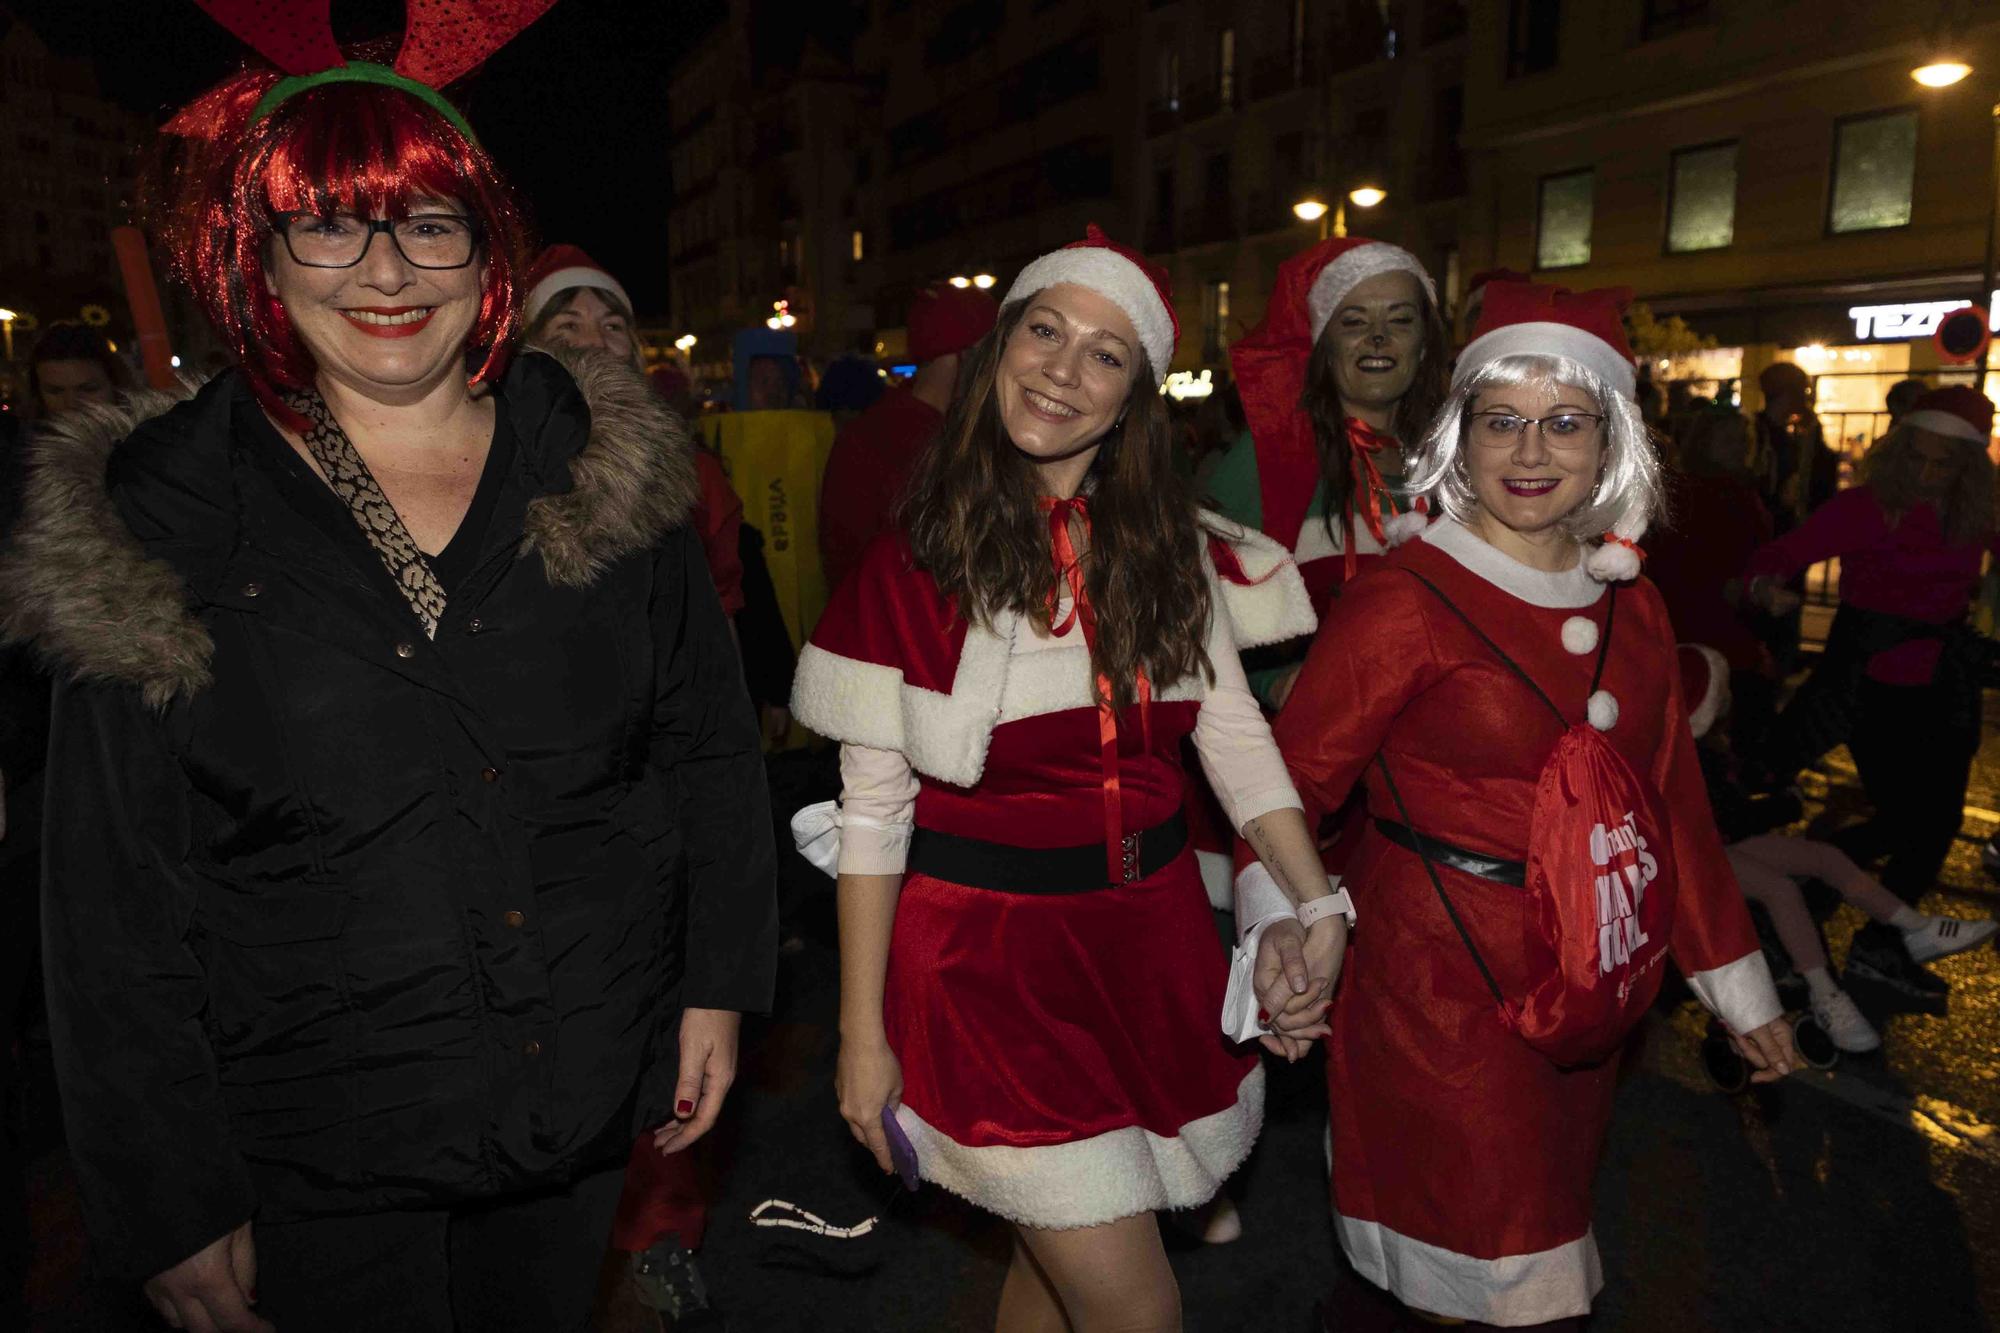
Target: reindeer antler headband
443	40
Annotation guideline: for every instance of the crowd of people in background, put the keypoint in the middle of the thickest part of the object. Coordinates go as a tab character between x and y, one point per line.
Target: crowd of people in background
410	690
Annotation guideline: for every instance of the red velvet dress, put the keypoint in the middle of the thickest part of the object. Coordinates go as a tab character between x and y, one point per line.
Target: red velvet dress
1462	1158
1063	1061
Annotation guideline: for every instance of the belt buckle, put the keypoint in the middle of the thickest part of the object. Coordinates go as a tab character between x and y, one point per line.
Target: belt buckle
1130	844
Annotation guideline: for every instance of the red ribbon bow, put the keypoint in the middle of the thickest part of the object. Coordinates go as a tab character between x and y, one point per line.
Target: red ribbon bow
1363	443
1064	516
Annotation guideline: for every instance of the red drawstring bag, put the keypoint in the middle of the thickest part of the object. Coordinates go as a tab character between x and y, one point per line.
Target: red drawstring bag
1601	875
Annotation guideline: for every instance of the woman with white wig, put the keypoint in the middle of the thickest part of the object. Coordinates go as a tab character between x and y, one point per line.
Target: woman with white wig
1487	682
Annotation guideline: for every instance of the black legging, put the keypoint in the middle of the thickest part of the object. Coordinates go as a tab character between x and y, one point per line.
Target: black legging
1914	752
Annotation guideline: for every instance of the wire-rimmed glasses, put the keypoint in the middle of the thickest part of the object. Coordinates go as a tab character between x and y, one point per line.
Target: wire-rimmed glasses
1560	430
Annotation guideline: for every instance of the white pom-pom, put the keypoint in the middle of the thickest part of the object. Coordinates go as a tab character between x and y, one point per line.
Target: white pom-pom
1399	528
1602	710
1580	635
1612	563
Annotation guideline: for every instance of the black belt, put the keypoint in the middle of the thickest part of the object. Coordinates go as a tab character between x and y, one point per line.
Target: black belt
1511	873
1008	869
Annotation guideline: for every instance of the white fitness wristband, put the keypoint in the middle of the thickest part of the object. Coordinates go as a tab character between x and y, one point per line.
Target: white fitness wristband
1318	909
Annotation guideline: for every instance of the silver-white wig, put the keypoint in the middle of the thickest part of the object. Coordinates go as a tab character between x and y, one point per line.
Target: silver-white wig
1627	496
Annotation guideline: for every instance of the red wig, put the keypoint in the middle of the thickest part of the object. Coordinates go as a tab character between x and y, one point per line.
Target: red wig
342	147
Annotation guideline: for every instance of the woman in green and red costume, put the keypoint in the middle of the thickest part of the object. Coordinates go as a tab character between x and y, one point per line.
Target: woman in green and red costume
1352	357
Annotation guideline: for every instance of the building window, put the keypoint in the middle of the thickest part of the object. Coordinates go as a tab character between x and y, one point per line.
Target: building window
1225	58
1298	42
1662	18
1562	230
1534	35
858	246
1874	163
1701	199
1214	321
1170	80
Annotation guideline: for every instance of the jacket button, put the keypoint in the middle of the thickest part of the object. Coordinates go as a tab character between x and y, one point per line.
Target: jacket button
252	589
532	1049
406	649
490	774
474	625
514	919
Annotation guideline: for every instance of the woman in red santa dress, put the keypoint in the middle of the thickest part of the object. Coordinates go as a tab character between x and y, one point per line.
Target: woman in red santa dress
1462	1155
1031	982
1352	357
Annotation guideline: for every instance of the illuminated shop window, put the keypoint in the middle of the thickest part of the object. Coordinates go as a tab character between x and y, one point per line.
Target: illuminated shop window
1874	163
1701	208
1562	231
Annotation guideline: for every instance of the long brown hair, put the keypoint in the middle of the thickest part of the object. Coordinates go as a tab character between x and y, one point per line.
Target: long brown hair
1891	469
1321	402
974	524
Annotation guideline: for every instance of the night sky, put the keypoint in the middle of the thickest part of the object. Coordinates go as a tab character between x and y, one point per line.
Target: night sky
574	110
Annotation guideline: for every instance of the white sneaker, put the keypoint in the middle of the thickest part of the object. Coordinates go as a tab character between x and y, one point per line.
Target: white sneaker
1838	1017
1942	936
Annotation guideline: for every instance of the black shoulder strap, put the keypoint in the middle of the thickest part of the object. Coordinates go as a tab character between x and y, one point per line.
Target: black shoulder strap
1382	760
1603	642
1487	639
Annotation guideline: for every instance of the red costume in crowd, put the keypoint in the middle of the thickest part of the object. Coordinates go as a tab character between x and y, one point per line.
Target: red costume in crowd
874	454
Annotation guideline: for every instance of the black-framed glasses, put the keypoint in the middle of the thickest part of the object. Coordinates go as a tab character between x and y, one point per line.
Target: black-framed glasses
1562	430
341	240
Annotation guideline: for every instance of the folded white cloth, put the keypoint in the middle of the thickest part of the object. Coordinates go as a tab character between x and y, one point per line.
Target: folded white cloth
816	833
1259	902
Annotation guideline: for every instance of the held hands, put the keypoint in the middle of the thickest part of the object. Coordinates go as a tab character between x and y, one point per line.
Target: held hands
708	1067
212	1290
868	1078
1768	1050
1294	978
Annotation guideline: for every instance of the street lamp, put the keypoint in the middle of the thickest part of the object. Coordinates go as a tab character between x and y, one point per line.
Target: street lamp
983	281
1310	209
7	318
686	342
960	280
1942	73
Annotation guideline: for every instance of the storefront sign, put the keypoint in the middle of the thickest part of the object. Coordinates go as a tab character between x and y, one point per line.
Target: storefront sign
1911	319
1184	384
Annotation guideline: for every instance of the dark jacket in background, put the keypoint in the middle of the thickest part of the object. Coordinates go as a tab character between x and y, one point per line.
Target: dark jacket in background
340	918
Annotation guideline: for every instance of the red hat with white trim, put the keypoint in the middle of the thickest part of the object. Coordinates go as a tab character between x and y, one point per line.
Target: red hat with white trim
1120	275
1704	684
559	268
945	319
1959	411
1529	319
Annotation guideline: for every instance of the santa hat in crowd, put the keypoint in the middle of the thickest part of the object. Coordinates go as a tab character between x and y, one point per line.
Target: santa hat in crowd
1270	366
1704	685
1529	319
945	319
1120	275
1960	412
558	269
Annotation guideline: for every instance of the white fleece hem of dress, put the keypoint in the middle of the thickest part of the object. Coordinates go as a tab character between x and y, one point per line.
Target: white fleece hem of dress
1089	1182
1514	1289
1741	993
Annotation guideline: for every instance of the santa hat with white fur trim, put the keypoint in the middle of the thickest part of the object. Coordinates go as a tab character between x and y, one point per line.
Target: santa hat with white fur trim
558	269
1122	276
1350	261
1529	319
1959	412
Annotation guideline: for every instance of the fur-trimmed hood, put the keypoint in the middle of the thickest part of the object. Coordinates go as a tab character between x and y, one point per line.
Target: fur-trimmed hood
126	509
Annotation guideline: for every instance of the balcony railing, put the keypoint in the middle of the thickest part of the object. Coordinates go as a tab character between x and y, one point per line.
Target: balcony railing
1277	75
